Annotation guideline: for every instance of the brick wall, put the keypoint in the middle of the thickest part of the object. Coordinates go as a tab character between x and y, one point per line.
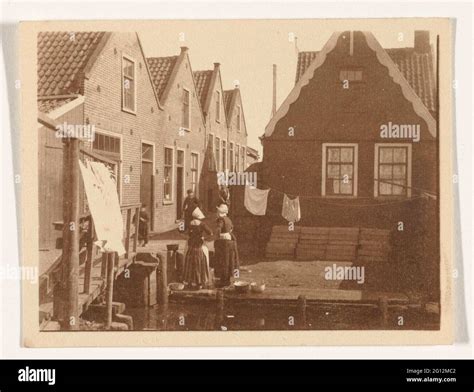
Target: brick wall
103	108
191	141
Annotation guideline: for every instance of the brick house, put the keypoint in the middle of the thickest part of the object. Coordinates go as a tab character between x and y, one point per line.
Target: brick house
225	129
182	140
237	135
100	79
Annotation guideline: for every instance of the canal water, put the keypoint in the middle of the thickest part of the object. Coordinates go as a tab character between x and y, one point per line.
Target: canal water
245	317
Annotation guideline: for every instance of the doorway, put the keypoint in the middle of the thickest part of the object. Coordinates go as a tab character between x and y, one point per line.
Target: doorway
179	183
146	181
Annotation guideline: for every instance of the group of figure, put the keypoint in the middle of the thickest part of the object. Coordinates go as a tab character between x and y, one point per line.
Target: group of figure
197	264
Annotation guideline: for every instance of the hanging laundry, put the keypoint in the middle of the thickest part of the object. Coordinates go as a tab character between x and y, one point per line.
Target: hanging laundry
103	201
255	200
291	209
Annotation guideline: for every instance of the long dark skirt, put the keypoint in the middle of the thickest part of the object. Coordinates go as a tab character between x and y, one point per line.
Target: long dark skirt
196	271
226	260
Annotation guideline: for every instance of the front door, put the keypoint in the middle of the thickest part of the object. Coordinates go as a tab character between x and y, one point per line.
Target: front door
146	180
179	184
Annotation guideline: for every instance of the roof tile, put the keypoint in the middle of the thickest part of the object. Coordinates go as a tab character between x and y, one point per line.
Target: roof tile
202	80
62	60
161	69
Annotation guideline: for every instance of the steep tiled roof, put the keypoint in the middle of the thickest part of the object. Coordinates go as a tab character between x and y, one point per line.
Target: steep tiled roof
161	69
202	80
304	60
62	58
228	94
417	68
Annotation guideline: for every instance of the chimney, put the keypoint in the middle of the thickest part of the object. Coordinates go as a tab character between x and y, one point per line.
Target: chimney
217	65
274	104
422	41
184	49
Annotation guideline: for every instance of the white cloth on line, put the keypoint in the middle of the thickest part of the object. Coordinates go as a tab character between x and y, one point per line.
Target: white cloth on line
255	200
103	201
291	209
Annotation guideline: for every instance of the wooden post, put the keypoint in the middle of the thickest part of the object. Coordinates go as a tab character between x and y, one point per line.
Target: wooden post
71	231
137	221
383	306
302	312
220	304
163	290
89	257
109	293
127	233
103	266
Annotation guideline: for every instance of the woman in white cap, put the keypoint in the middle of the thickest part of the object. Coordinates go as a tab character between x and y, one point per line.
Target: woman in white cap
225	246
196	265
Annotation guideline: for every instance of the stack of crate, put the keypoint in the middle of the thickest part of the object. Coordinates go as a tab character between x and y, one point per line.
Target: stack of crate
374	245
342	244
282	242
312	243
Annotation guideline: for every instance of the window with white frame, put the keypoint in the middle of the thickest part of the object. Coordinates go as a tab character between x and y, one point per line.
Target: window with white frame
194	172
186	120
339	176
218	106
128	84
168	175
242	156
392	172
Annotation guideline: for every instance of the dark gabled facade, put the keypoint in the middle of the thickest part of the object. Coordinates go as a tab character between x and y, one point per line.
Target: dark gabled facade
333	142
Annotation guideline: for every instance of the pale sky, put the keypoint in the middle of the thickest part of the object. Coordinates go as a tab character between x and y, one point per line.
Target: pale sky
247	49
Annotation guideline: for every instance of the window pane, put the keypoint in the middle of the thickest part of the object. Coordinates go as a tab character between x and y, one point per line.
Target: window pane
385	189
180	158
399	171
346	170
333	171
399	155
346	187
398	190
386	155
333	154
347	154
385	171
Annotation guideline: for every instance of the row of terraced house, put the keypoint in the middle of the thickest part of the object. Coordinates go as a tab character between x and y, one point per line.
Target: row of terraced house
165	127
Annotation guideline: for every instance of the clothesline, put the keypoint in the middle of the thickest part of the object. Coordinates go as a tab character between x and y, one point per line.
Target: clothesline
421	190
255	201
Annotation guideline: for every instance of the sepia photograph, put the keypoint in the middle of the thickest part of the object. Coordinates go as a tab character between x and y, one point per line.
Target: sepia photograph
242	176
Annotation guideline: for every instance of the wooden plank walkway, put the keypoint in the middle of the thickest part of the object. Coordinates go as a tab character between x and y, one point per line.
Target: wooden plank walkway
97	285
